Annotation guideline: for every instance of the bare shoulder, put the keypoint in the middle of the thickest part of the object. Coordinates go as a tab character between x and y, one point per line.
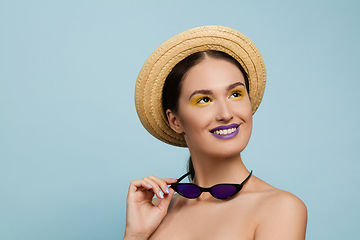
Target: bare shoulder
275	199
280	200
282	215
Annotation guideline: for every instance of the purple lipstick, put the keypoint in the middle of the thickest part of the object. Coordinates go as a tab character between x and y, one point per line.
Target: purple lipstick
225	131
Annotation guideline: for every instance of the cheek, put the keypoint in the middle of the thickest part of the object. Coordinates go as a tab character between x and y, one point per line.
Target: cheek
191	118
190	122
247	106
249	119
245	113
195	126
250	123
249	113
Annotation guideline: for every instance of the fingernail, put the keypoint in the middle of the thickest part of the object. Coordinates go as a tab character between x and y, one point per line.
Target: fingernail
167	190
173	178
161	194
149	185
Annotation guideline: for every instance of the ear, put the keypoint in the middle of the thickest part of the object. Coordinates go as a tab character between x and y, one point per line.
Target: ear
174	121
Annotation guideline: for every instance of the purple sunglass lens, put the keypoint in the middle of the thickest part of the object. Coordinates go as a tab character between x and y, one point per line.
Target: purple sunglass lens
189	190
223	191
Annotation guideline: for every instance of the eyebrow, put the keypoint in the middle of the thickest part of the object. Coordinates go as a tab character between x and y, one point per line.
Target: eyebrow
234	85
203	91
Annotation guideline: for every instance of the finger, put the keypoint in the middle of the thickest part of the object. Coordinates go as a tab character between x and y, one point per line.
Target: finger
169	180
138	184
161	183
155	187
164	203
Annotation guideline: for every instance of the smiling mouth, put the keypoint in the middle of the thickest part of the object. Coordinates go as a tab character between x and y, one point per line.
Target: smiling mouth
225	132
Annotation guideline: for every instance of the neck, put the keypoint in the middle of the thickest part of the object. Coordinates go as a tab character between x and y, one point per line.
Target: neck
214	170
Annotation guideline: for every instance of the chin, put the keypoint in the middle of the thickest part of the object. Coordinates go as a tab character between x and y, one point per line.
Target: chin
224	149
227	151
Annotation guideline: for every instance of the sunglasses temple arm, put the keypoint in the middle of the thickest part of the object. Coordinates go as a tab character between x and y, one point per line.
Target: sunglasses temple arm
247	178
183	176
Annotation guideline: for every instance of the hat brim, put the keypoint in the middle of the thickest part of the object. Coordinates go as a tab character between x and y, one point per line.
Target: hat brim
151	79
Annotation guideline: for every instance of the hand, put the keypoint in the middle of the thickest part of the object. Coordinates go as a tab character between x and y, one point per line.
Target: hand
142	216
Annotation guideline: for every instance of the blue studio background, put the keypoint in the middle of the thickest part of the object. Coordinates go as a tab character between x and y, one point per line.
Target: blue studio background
70	139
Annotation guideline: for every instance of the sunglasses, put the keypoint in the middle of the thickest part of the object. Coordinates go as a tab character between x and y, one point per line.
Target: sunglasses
219	191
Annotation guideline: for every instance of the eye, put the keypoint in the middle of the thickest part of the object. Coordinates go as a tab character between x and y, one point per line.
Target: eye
204	100
236	94
201	100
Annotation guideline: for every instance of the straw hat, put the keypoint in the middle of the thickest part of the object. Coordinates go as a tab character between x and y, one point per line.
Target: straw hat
150	82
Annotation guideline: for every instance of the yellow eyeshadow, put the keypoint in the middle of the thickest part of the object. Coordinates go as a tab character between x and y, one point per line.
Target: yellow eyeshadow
240	91
195	101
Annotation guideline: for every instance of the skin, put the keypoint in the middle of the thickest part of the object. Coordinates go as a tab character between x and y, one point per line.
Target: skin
259	211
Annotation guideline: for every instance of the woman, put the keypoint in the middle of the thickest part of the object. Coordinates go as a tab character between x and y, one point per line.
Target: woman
211	81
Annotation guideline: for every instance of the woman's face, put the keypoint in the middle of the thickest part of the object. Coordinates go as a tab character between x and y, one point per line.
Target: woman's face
214	109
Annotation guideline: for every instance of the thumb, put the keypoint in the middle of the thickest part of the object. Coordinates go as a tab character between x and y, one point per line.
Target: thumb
164	202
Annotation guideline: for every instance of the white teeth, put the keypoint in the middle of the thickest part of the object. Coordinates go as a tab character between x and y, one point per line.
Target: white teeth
225	131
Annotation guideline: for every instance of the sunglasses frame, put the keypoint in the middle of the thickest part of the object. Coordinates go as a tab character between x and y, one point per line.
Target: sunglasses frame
202	189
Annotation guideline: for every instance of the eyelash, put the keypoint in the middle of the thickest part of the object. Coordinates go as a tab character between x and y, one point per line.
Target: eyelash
237	92
203	98
206	99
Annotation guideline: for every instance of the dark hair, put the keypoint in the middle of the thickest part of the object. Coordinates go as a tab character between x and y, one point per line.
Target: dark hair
172	86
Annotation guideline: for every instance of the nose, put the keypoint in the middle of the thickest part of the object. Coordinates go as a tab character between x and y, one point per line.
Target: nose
224	113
